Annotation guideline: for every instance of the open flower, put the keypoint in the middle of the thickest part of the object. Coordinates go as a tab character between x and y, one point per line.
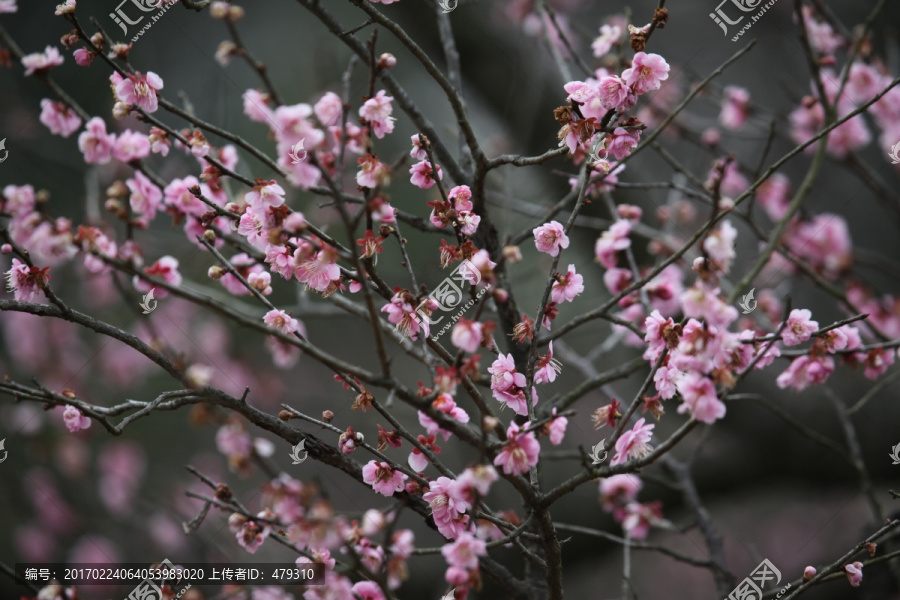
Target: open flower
567	286
854	573
464	552
550	237
280	320
799	328
74	420
140	90
520	452
634	443
647	72
42	61
383	478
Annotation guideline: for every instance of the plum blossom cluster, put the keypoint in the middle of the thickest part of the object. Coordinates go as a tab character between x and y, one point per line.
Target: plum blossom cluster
671	293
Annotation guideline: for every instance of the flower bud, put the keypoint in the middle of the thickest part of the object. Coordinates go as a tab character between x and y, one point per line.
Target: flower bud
512	254
809	573
224	493
121	110
209	235
387	61
215	272
327	416
218	10
285	415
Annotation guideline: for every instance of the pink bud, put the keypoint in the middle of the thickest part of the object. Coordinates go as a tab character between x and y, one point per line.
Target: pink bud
387	61
6	248
809	573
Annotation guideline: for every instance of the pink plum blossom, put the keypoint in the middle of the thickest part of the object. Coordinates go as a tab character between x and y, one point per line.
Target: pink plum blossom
506	384
383	478
647	72
280	320
407	316
609	36
799	328
18	200
8	6
774	195
329	108
256	106
854	573
42	61
466	335
368	590
83	57
449	502
319	270
74	420
634	443
372	172
145	197
140	90
480	477
250	535
611	241
464	551
131	145
422	175
547	367
805	371
622	141
26	282
619	490
520	452
550	237
615	93
700	398
264	195
377	111
418	151
59	118
166	268
719	246
735	107
567	286
95	143
557	428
